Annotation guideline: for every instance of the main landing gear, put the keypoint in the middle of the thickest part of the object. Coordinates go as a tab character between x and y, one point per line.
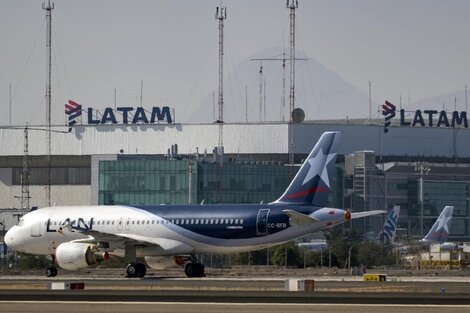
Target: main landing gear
193	269
51	271
136	270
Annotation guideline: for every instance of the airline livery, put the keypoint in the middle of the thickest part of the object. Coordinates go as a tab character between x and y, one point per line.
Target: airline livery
439	232
169	235
387	234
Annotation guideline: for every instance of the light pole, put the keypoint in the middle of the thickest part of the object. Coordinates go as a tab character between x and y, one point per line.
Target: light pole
349	258
422	168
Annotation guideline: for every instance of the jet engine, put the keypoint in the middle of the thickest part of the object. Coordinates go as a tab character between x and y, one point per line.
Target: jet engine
164	262
75	255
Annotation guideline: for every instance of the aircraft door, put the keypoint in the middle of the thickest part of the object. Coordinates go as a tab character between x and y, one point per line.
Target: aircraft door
262	222
120	224
128	224
36	229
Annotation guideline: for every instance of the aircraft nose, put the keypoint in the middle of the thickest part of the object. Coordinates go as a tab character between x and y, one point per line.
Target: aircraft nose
9	238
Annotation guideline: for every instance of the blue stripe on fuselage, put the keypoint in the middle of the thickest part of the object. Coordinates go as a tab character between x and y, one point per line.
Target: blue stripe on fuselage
248	213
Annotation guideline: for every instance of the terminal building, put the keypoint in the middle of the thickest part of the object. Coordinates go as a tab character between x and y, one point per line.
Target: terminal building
421	168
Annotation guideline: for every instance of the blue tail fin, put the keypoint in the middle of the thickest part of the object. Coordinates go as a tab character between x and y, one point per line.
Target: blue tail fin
440	230
312	183
390	227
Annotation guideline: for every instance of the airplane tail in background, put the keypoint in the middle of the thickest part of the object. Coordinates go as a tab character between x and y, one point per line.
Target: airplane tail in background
390	227
440	230
312	183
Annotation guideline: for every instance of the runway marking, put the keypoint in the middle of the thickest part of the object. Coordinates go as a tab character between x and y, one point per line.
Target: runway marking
244	304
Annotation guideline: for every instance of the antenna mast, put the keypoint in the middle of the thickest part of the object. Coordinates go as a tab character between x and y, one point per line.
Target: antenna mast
48	8
292	5
10	107
25	175
370	101
261	92
221	15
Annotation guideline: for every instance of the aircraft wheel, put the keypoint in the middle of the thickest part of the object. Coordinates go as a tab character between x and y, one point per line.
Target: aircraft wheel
132	270
194	270
141	270
199	270
51	271
190	269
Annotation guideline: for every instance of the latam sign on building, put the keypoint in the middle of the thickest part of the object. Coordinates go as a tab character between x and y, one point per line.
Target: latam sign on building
121	115
429	118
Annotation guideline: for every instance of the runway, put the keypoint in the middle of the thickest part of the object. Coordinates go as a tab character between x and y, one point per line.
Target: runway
167	307
254	294
240	297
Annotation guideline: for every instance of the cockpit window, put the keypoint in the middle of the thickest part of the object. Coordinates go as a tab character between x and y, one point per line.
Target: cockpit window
21	222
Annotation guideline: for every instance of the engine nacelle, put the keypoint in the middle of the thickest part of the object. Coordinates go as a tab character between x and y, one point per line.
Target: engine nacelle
164	262
75	255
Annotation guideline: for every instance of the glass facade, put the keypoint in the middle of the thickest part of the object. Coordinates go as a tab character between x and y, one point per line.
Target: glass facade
436	195
59	175
154	182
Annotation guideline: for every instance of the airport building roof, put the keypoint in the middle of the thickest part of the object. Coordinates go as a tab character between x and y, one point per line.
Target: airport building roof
250	138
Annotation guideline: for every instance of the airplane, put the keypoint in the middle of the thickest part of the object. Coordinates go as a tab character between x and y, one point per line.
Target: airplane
169	235
438	233
389	230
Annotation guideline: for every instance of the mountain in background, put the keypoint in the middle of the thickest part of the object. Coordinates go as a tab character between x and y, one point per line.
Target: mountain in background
447	102
320	92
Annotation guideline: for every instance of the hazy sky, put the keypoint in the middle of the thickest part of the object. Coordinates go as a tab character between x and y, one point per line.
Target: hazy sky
417	48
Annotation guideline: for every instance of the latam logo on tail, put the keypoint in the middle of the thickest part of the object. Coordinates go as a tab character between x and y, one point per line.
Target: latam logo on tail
122	115
424	118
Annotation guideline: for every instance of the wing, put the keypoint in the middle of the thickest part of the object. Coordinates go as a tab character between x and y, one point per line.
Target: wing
111	241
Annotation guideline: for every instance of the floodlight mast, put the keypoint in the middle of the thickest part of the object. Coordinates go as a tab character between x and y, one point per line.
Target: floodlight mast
221	15
48	7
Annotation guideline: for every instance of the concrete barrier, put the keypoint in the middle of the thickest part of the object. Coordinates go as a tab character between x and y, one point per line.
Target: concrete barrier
299	285
66	285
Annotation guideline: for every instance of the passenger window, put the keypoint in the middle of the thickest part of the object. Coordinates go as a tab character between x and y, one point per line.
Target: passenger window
236	221
148	222
231	221
212	221
153	221
216	221
207	221
97	223
241	221
197	221
138	222
132	222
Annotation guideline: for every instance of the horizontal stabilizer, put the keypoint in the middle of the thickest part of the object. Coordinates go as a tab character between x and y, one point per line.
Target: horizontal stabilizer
300	219
367	213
